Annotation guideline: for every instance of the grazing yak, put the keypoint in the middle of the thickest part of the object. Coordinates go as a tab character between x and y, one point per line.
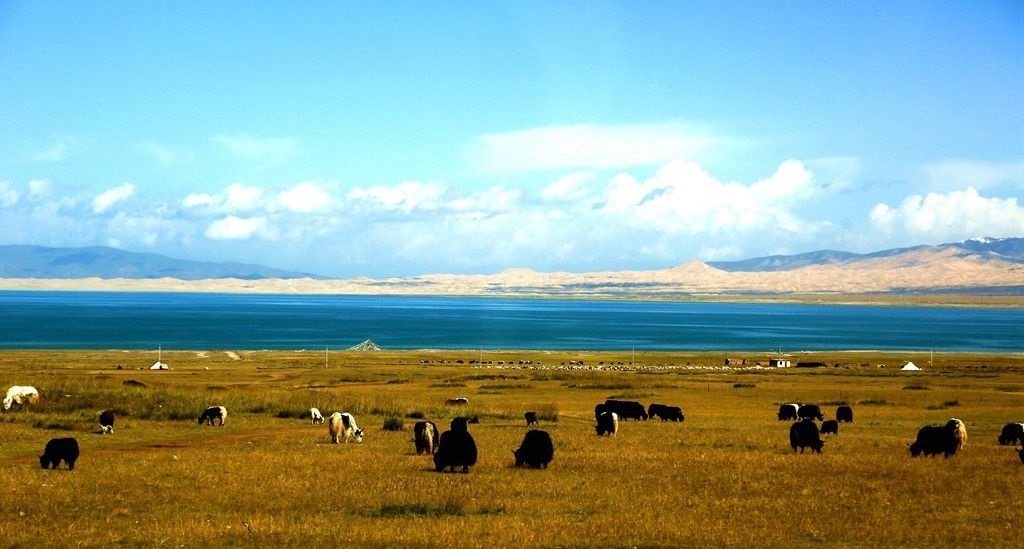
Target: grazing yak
945	440
57	450
804	434
666	413
1012	434
830	426
107	422
531	418
426	437
607	424
458	401
212	413
844	413
343	425
20	395
315	417
457	448
626	409
536	450
599	409
810	411
788	412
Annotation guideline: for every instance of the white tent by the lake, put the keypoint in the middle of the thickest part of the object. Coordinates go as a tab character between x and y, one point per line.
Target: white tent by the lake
158	365
909	367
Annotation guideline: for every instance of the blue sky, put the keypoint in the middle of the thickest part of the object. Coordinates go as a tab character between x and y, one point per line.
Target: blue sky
378	139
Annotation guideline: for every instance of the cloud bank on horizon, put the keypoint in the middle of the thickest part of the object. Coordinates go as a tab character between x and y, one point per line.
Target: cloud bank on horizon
366	154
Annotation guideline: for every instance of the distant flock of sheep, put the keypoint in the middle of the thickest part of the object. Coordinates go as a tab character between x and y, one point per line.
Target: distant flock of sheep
455	448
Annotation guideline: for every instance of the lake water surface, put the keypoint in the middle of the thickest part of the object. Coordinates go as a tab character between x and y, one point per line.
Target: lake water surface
109	320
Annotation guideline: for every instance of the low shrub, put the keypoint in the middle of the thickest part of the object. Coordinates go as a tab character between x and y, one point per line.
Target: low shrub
394	423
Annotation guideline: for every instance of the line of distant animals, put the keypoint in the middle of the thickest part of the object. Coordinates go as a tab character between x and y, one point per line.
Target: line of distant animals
455	448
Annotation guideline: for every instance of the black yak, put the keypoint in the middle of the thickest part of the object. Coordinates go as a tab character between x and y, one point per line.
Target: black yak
804	434
536	450
810	411
844	413
1012	434
626	409
945	440
830	426
107	421
607	424
59	449
457	448
666	413
788	412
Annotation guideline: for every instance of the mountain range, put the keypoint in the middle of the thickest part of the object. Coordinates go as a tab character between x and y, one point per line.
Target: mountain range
1004	249
106	262
981	265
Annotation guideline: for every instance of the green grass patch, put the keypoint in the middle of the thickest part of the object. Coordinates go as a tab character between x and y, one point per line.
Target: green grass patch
400	510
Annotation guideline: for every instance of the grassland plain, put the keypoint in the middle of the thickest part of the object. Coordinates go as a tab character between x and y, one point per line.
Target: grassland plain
725	477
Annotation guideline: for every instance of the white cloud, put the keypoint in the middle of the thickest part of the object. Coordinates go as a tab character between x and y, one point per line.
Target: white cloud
8	196
235	228
39	188
404	197
268	150
304	197
960	174
105	201
585	146
236	197
200	199
573	187
953	216
239	197
683	198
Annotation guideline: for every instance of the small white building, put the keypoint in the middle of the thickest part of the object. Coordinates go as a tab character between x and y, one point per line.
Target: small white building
779	362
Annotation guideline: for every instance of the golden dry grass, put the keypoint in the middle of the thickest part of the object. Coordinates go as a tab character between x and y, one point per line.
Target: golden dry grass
725	477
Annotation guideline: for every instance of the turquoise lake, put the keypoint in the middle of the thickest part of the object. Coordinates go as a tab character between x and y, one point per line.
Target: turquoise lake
106	320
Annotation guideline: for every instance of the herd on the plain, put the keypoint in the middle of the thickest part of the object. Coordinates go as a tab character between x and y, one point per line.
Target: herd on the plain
455	449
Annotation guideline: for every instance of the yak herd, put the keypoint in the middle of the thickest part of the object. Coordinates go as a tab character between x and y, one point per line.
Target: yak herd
931	440
455	448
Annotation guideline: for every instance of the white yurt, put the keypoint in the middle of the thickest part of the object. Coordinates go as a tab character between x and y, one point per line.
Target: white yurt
909	367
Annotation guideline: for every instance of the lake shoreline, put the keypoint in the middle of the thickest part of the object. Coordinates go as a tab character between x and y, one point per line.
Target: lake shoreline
348	288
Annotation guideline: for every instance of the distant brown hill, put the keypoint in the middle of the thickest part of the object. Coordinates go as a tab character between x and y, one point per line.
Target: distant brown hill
994	266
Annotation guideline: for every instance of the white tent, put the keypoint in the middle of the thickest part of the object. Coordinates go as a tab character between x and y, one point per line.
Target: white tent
159	366
909	367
